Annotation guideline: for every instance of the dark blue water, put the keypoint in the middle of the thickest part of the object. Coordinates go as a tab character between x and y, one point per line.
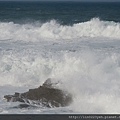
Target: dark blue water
63	12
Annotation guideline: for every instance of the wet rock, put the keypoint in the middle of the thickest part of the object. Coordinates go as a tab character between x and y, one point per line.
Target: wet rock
46	95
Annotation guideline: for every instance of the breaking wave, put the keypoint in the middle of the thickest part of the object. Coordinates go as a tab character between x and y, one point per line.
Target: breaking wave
89	70
93	81
53	30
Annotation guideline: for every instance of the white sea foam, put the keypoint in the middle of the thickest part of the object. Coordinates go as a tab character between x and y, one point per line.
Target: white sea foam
53	30
89	68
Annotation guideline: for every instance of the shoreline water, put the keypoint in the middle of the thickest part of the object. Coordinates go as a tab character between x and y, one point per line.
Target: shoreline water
76	44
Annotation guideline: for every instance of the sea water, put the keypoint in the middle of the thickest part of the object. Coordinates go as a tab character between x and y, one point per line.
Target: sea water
76	43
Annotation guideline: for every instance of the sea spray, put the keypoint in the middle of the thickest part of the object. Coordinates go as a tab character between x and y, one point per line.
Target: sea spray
53	30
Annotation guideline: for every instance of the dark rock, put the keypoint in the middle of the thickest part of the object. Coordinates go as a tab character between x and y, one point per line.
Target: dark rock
24	106
45	95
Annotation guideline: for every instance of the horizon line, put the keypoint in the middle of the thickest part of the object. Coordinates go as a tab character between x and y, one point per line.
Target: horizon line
55	1
58	1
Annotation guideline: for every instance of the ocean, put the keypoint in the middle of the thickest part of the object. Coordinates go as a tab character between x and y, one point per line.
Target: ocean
76	43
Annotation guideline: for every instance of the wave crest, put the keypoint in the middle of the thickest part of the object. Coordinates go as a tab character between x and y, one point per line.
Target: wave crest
53	30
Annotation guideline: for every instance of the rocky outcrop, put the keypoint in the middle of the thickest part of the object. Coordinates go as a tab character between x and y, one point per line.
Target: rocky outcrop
46	95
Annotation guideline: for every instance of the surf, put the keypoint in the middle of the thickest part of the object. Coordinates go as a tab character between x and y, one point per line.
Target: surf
52	30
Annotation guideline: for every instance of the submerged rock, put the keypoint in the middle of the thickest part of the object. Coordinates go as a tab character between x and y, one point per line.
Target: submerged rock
45	95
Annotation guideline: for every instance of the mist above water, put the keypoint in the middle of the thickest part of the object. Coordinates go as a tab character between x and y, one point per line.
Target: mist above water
84	57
